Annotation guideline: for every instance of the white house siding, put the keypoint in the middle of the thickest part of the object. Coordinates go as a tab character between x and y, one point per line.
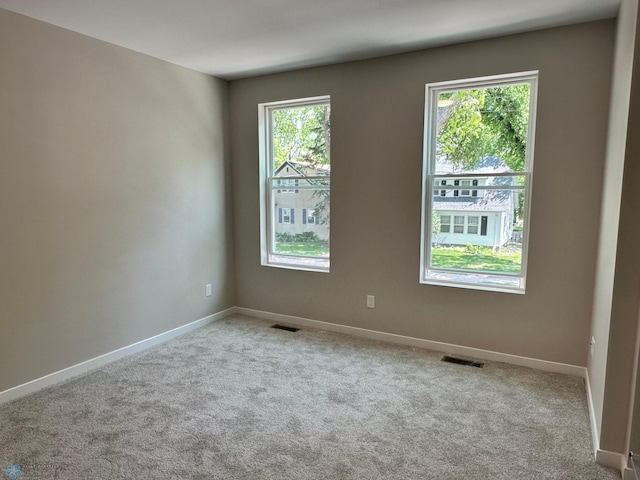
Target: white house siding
496	232
451	196
299	202
507	228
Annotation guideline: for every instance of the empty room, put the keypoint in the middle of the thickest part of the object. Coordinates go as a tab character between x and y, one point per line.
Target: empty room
319	240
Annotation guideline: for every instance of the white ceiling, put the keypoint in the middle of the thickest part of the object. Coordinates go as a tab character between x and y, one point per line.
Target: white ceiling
240	38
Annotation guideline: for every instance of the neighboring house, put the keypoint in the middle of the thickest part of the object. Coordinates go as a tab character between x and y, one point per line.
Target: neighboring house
295	207
470	214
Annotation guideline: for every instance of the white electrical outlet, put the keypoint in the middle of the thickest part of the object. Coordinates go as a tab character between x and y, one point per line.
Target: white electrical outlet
593	345
207	290
371	301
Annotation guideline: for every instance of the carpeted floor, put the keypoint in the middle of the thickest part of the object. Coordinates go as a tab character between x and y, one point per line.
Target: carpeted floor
239	400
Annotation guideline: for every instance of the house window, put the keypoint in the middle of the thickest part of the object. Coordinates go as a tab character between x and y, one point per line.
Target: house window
445	223
465	183
472	225
478	146
285	215
294	139
458	224
291	184
309	216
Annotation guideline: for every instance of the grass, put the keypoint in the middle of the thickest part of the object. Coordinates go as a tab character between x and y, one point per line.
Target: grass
476	258
464	258
302	248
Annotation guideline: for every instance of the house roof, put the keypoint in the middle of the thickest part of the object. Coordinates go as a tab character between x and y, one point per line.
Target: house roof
281	168
304	169
492	201
486	165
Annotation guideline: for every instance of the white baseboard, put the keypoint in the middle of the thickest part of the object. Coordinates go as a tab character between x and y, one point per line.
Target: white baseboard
617	461
595	438
614	460
80	368
628	474
419	343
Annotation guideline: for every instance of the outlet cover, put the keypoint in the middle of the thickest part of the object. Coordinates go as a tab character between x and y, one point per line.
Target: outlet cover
207	290
371	301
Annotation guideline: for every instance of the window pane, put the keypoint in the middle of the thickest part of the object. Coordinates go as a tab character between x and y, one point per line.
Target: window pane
482	130
477	149
297	179
303	229
472	225
493	239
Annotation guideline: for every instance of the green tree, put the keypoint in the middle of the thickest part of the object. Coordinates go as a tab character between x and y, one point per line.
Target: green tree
301	135
477	123
473	124
435	223
435	227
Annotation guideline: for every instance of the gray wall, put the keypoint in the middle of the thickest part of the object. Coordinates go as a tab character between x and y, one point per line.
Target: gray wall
623	331
617	400
114	198
626	290
377	117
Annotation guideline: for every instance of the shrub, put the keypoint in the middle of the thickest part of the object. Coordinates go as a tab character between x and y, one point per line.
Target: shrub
304	237
284	237
476	249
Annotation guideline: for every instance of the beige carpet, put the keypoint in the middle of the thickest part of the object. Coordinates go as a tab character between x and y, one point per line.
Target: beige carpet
239	400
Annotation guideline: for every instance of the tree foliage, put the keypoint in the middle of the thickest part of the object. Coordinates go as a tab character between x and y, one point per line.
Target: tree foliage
473	124
301	134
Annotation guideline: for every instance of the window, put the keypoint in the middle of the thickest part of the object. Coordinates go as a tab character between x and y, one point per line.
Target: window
285	215
458	224
472	225
445	223
309	216
465	183
295	173
478	160
291	184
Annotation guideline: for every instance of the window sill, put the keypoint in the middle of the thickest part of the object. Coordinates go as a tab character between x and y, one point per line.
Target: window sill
298	263
474	282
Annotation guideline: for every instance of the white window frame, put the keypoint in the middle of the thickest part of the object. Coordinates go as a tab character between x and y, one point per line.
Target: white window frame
468	190
432	275
448	224
473	225
287	214
268	255
289	185
458	227
311	215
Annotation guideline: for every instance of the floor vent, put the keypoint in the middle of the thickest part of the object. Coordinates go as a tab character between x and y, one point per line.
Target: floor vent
461	361
283	327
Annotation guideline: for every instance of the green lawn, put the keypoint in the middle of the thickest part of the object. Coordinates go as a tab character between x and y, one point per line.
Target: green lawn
478	258
302	248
